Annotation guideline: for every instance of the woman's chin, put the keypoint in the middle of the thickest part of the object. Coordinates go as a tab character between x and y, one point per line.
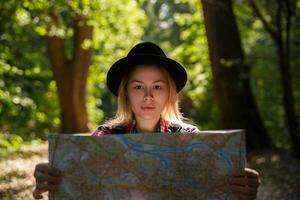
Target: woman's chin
149	116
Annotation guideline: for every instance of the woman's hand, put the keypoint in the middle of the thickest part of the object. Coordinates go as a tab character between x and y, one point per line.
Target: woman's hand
244	184
46	178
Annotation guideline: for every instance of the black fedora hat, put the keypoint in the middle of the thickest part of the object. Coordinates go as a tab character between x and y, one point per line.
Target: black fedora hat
145	53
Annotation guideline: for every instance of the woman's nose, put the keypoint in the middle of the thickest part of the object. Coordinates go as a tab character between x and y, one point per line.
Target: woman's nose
148	95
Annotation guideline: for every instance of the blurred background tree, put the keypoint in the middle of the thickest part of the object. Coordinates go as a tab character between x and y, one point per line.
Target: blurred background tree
31	97
59	34
280	26
231	74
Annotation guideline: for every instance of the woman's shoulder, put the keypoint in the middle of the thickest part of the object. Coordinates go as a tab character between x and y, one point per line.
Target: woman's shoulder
183	128
106	129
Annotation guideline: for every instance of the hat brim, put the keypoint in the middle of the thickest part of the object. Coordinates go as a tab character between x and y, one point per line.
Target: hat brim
120	68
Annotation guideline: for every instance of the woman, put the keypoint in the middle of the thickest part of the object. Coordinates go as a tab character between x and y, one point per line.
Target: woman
147	84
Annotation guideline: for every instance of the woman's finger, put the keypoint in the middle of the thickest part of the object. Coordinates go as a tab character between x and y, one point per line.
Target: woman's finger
45	167
246	172
44	177
242	190
243	181
37	194
43	187
245	197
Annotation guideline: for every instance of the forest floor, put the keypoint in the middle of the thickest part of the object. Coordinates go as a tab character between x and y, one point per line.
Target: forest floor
280	173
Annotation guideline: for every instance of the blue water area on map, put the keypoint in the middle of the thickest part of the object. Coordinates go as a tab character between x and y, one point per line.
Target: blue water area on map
164	154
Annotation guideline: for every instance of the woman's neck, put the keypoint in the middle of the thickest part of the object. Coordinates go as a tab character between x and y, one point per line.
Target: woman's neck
147	126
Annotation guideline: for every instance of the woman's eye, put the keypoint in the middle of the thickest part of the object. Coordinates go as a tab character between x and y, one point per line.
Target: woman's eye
157	87
138	87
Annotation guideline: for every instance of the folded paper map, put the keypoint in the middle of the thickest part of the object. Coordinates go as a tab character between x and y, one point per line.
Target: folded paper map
149	166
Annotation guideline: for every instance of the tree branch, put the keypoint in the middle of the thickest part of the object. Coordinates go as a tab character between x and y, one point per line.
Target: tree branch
266	25
221	4
56	48
81	59
56	52
279	20
81	32
288	15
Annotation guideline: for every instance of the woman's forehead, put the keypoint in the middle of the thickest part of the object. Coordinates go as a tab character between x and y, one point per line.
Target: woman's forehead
147	71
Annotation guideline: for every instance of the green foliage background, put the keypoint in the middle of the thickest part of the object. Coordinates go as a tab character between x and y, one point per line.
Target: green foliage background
28	100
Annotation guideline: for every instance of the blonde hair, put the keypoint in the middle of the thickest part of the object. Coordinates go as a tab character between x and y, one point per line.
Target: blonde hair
124	114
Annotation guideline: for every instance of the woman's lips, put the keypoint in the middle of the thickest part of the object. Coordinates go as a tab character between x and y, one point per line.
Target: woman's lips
148	107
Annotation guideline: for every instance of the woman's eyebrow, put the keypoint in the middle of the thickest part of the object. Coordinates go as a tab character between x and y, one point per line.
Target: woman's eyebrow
132	81
138	81
159	81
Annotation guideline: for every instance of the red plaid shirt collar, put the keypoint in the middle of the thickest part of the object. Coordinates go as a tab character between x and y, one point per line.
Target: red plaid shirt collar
163	127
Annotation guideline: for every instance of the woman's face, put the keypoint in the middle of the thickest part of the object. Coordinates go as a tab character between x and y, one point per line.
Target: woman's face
147	91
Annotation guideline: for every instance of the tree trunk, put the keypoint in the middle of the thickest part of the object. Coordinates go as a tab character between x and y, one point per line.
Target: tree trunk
288	99
230	74
71	77
281	38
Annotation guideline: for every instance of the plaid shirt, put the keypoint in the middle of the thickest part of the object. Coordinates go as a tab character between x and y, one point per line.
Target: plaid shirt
165	127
